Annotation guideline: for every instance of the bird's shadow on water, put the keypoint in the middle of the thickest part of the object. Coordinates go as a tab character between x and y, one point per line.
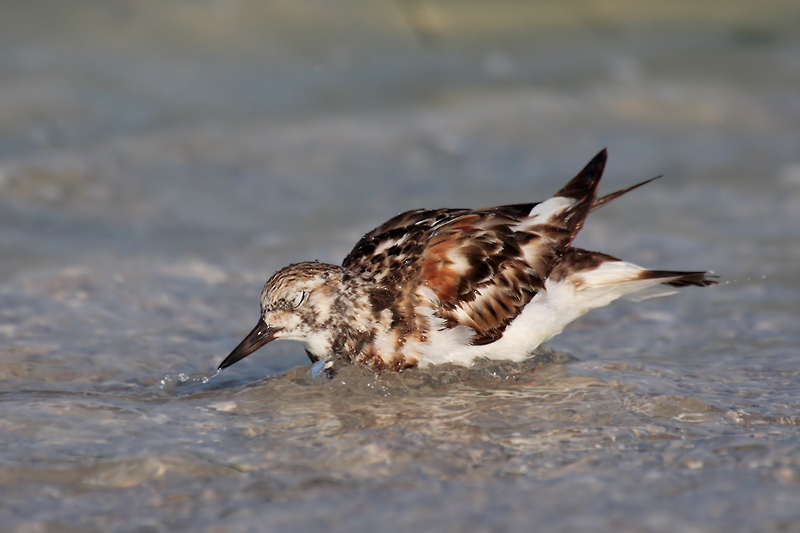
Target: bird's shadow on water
545	375
189	382
358	379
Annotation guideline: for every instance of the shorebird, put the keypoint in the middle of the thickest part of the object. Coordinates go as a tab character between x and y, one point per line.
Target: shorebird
453	285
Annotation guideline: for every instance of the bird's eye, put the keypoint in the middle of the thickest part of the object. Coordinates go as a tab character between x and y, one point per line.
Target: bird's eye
299	299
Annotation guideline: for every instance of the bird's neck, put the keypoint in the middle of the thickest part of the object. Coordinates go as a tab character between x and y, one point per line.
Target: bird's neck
348	326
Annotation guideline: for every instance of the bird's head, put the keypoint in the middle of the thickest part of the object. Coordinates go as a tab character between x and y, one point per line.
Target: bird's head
297	303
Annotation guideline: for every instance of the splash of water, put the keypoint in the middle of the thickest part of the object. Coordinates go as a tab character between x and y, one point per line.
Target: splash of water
169	381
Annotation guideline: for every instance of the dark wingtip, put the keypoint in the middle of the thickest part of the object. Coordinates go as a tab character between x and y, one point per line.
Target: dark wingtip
583	189
600	159
600	202
585	183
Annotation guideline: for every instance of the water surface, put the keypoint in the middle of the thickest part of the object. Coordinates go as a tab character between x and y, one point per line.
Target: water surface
159	161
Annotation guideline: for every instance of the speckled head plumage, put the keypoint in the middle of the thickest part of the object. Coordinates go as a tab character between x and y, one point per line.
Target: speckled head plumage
450	285
297	303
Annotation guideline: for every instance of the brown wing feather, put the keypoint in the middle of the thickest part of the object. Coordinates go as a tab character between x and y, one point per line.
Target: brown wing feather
484	266
473	262
476	267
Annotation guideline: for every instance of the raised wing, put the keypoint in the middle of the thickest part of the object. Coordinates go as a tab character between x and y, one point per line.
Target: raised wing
482	266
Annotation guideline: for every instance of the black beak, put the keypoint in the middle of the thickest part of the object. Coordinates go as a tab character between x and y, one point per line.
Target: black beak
261	335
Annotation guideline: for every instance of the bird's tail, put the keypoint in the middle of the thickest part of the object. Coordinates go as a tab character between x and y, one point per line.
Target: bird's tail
597	279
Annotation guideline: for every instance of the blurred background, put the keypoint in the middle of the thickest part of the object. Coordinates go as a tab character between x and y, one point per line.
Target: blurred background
160	159
129	123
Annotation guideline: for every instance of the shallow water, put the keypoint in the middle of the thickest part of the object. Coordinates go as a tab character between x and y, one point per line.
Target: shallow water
159	161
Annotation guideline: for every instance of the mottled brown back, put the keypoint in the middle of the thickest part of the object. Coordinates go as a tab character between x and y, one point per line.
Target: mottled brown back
484	266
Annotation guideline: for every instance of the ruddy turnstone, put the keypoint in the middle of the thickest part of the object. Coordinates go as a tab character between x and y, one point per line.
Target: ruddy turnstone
453	285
